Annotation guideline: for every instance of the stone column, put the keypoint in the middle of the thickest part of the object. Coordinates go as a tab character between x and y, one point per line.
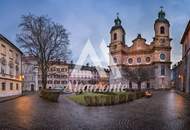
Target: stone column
36	78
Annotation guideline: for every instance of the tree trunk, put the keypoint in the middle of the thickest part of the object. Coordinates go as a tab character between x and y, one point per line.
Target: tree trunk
44	77
139	85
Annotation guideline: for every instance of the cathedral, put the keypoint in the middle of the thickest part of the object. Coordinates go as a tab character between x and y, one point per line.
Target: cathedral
154	55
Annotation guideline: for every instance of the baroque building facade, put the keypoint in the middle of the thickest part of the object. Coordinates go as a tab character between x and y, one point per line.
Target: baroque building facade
10	68
155	55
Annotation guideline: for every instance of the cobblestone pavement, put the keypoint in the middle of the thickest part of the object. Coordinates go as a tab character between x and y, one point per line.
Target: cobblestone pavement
164	111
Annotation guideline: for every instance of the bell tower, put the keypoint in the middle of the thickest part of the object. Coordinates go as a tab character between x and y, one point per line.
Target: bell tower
162	50
117	44
162	30
117	49
117	32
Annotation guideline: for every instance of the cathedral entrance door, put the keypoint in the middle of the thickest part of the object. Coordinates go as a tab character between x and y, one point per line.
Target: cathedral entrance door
148	85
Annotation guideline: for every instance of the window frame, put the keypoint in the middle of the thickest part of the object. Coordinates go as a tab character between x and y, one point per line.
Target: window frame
115	36
162	30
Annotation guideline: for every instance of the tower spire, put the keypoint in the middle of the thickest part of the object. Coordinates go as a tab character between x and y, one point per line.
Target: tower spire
161	14
161	7
117	20
117	14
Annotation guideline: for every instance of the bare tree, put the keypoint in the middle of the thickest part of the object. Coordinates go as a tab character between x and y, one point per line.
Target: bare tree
139	74
45	40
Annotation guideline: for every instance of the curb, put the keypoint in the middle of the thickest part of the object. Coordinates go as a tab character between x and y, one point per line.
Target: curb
5	99
182	94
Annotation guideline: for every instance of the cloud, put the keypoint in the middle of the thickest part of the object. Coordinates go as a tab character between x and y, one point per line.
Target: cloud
93	19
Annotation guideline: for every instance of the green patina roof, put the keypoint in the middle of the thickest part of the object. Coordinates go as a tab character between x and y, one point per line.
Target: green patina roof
117	25
161	16
117	20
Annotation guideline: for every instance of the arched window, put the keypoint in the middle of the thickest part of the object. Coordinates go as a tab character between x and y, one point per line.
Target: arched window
130	85
162	30
115	36
115	60
162	70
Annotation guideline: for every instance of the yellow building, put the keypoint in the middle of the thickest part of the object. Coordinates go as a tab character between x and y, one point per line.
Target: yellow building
10	68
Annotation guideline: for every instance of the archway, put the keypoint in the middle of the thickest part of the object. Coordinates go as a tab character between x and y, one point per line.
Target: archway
32	87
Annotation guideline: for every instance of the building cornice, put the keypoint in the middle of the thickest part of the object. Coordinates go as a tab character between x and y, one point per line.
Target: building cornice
17	80
187	29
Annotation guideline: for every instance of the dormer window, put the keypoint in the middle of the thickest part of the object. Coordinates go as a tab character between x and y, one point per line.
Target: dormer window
162	30
115	36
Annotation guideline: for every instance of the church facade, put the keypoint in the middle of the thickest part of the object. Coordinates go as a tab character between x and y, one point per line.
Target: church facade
154	55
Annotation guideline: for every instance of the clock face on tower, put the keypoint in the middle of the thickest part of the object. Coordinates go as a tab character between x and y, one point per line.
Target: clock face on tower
162	56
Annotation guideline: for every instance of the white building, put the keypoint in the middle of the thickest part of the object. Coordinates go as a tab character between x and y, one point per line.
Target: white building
10	68
80	75
30	72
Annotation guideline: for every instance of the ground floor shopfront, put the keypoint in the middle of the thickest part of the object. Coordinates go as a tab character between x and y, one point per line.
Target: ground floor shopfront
10	87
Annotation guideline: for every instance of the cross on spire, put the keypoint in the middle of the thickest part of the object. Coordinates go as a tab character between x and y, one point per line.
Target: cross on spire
117	14
161	7
117	20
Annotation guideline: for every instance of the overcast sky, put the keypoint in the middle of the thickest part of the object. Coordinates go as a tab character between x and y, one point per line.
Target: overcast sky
92	19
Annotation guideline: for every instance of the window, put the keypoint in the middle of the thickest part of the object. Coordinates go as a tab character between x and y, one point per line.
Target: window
162	30
130	85
138	60
130	60
11	54
17	87
11	86
17	59
162	70
123	38
185	47
2	70
115	60
115	36
3	86
147	59
3	49
162	56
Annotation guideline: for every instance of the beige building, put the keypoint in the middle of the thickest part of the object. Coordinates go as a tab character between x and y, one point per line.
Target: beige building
10	68
57	75
155	55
